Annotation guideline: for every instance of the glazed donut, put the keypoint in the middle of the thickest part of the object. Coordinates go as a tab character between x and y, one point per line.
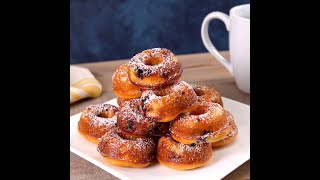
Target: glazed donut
118	151
153	68
122	86
207	123
95	120
207	94
167	103
131	119
229	137
181	156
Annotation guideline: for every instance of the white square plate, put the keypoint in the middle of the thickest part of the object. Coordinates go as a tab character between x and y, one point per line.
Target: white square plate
223	161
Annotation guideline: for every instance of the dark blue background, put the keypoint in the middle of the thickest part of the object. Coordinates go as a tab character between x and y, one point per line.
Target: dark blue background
103	30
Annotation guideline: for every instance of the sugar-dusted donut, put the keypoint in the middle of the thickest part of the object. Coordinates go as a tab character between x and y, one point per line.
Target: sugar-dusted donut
207	123
182	156
167	103
116	150
153	68
131	119
95	120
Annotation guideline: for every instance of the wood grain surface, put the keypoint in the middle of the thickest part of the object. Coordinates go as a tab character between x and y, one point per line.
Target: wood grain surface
200	68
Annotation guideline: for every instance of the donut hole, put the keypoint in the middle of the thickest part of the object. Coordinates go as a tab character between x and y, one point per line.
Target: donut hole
161	93
199	93
153	61
139	73
106	114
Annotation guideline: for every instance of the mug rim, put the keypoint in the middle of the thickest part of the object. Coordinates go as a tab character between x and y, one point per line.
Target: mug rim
239	7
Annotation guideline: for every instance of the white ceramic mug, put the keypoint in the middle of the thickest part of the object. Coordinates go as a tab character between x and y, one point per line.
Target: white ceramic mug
238	25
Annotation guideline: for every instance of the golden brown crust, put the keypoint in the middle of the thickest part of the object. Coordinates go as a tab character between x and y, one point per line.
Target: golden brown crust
229	137
154	68
207	94
124	163
122	86
180	156
224	142
207	123
95	120
116	150
88	137
167	103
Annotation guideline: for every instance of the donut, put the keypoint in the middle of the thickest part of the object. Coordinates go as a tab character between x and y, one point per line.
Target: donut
116	150
167	103
207	94
131	119
229	137
132	108
180	156
153	68
122	86
207	123
95	120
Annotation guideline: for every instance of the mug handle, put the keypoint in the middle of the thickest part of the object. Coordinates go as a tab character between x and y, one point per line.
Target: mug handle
206	39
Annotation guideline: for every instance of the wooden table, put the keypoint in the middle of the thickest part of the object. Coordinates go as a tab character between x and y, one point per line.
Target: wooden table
200	68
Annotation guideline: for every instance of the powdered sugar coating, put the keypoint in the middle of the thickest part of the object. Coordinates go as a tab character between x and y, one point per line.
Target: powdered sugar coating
148	96
153	68
139	150
207	94
140	61
95	120
96	113
229	137
166	103
234	130
132	119
207	123
171	151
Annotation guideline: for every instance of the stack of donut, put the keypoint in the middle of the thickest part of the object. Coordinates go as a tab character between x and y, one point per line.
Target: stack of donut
159	117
